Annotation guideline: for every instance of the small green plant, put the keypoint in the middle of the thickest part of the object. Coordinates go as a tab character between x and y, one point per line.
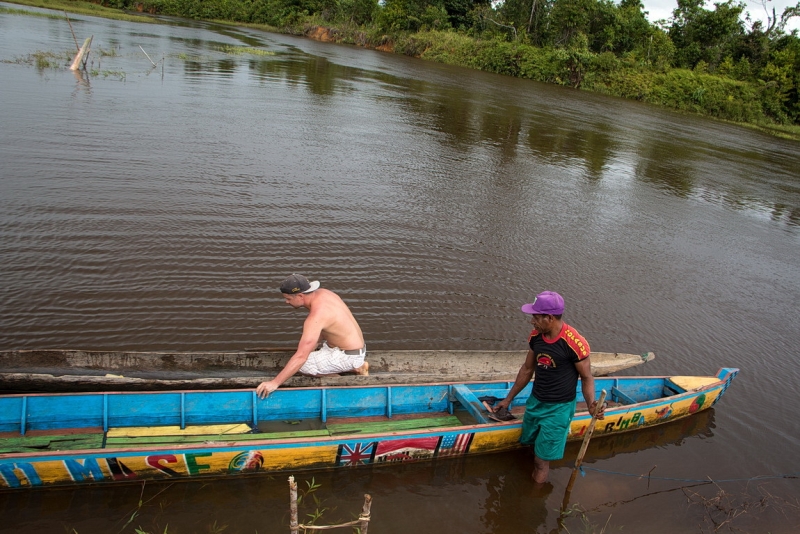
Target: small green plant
310	491
312	486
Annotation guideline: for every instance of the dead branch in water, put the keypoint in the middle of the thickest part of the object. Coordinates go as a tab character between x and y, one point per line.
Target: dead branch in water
724	508
77	46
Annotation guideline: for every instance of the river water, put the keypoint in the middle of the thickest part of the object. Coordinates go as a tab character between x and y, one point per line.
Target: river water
158	207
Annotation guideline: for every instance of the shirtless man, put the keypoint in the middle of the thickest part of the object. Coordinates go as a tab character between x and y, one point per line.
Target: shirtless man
330	321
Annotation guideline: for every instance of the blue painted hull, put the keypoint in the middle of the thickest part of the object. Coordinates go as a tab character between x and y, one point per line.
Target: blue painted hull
106	437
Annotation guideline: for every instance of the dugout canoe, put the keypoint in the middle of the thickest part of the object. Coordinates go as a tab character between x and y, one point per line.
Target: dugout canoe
82	370
49	439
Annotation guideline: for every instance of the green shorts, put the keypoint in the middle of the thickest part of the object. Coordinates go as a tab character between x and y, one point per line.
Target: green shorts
546	426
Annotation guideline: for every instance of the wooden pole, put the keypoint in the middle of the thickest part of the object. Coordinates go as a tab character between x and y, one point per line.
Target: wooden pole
76	63
73	32
364	519
294	527
581	452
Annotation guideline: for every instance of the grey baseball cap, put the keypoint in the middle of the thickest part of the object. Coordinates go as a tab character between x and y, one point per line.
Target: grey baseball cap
297	283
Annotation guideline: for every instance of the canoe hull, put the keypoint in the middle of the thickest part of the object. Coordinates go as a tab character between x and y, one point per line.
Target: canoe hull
75	370
118	455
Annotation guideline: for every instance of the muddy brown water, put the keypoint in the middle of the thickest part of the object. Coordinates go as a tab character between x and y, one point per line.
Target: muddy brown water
159	208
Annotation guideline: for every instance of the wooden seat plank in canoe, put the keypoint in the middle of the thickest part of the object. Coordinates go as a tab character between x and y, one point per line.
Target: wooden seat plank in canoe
68	442
390	425
174	430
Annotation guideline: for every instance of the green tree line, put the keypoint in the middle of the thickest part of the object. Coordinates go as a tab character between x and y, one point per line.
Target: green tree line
711	60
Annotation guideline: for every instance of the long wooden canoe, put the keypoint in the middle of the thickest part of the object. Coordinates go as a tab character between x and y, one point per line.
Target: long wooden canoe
79	370
76	438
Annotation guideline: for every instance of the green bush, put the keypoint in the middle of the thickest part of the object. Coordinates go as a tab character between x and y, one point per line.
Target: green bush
707	94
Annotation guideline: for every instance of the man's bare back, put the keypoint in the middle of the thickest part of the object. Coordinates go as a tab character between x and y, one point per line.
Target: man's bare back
329	320
329	313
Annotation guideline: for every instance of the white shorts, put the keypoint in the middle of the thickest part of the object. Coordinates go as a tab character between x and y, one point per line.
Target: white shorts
331	360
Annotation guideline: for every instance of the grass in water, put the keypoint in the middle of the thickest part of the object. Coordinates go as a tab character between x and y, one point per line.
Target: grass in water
107	53
50	60
238	50
11	11
108	73
41	60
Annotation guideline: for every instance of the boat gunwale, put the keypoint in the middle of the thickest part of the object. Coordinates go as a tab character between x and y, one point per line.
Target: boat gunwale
355	386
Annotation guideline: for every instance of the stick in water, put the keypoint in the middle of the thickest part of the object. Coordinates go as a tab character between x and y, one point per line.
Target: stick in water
584	446
145	53
77	46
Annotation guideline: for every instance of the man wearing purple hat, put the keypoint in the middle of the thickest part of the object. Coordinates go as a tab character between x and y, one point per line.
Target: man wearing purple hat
329	320
559	355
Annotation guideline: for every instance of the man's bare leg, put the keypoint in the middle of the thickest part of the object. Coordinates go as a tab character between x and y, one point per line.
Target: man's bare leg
363	370
541	468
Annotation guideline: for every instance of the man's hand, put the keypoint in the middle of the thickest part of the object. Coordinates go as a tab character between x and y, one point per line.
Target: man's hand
265	388
600	411
501	404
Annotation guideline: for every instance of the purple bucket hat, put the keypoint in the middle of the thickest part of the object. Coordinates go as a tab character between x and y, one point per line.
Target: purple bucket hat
545	303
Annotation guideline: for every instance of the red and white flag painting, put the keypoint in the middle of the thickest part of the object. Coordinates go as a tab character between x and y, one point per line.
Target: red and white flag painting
454	444
404	450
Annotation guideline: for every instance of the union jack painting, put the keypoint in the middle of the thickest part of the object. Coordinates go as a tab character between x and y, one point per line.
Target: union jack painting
351	454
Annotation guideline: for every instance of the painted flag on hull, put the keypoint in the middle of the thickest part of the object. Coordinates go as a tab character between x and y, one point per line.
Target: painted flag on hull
351	454
454	445
402	450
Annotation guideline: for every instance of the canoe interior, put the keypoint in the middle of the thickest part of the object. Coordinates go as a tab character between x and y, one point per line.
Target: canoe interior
51	422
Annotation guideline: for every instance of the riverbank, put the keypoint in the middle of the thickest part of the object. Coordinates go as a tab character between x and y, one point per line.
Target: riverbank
83	8
688	91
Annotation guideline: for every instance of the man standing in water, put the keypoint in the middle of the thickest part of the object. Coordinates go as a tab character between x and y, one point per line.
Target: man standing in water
330	321
559	355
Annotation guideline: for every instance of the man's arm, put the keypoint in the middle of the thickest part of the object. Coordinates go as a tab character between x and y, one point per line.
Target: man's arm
312	333
524	376
587	387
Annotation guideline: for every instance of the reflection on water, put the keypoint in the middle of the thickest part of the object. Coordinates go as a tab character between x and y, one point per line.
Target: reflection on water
700	426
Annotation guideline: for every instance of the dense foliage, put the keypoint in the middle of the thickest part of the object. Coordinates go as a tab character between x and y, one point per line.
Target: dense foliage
704	60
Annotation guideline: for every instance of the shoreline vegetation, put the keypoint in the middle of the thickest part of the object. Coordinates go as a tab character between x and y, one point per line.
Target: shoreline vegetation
701	61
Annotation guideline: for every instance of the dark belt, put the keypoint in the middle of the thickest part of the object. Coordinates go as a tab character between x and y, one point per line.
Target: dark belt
356	352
